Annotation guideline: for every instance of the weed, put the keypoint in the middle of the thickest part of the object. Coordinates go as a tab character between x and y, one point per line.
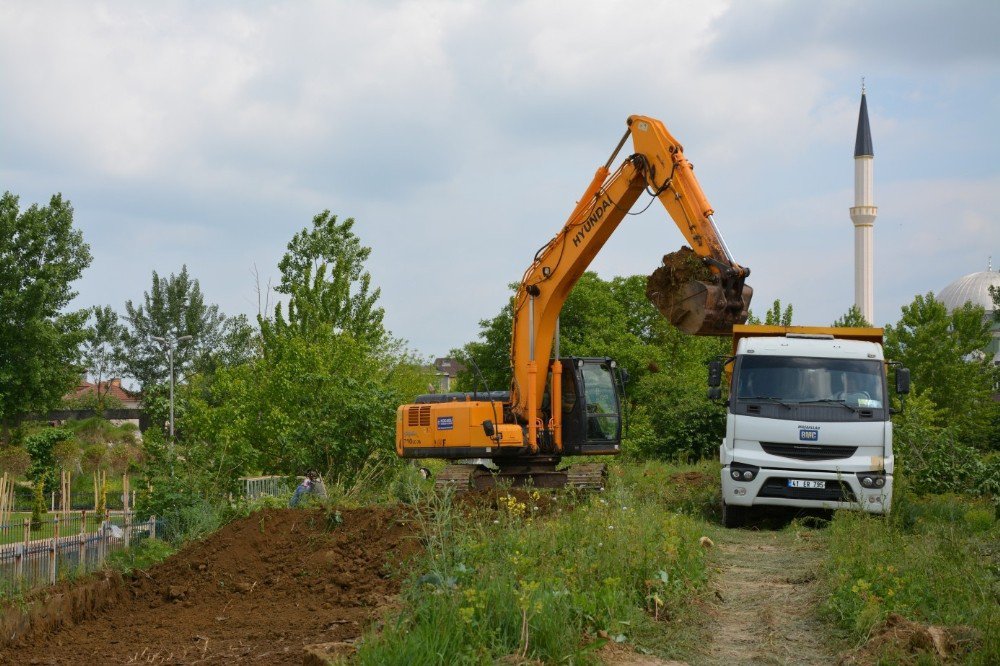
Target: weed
532	587
925	562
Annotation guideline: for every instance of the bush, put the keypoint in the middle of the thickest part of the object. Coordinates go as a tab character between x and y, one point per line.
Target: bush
504	582
928	561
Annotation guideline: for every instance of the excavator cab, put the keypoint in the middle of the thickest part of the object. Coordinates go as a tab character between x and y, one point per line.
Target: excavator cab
591	406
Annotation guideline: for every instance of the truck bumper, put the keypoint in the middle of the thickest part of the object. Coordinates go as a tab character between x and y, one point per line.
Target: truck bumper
770	487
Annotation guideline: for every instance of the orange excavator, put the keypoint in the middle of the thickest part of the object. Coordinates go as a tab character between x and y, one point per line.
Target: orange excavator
556	406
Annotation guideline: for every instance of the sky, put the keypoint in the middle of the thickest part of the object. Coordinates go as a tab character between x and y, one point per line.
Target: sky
459	136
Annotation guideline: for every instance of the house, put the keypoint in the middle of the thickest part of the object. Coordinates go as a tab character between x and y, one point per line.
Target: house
446	373
112	387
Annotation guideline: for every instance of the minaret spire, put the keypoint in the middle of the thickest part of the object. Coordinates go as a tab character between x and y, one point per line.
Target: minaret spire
863	213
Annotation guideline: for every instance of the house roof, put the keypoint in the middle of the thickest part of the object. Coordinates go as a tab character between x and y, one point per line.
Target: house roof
112	387
449	366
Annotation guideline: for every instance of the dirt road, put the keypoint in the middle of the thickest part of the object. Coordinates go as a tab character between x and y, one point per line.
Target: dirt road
767	607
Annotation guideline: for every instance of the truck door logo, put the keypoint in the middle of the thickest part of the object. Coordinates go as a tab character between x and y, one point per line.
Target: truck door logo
808	434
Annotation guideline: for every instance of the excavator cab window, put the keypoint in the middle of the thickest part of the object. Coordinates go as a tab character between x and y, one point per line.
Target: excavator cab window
601	397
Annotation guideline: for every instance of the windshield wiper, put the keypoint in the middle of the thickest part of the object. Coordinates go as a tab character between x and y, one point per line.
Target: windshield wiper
836	401
770	398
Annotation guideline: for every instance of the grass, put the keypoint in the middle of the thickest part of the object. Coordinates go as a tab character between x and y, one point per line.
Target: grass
935	560
553	583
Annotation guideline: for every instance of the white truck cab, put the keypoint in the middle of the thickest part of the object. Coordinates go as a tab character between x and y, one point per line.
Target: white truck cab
808	421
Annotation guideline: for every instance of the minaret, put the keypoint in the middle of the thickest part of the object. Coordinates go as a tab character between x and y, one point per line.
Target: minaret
863	215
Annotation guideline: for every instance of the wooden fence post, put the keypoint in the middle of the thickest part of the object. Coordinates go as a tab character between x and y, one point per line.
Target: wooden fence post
152	527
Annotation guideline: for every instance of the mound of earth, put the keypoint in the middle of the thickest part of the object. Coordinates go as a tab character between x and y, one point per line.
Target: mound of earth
260	590
907	642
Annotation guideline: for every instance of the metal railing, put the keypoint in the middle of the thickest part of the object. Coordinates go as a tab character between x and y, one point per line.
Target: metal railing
40	553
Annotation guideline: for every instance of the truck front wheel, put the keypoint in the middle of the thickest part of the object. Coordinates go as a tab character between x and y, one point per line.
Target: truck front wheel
733	516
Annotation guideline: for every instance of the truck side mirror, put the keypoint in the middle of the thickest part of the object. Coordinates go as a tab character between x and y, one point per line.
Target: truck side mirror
902	381
714	373
623	373
714	393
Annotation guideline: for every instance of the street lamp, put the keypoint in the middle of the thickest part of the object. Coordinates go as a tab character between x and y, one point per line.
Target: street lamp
169	344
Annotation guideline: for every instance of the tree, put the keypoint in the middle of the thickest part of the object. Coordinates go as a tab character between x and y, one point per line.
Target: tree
102	353
323	273
174	306
42	255
775	316
852	318
943	353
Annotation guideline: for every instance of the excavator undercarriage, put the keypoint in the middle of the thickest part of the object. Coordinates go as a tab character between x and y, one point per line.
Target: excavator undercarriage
534	472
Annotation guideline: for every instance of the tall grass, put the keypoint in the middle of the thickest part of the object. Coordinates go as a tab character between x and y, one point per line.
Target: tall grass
506	581
934	560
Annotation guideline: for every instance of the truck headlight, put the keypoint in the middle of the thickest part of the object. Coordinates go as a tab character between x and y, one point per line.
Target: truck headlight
743	472
872	479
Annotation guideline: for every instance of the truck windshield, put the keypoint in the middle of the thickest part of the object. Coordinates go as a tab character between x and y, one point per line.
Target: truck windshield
790	379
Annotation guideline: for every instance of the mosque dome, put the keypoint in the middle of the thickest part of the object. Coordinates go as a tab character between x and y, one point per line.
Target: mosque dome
974	287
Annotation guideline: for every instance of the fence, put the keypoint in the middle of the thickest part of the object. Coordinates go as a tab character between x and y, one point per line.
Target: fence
34	554
258	486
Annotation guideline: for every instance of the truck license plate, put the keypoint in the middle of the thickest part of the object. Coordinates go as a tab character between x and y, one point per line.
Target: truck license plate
805	483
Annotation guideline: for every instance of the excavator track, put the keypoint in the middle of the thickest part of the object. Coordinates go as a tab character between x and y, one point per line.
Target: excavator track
587	476
457	477
465	477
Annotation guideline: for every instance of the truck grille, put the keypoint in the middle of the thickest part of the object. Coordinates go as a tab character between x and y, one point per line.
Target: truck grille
802	451
835	491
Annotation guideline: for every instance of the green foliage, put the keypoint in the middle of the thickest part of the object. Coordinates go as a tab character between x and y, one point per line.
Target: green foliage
942	353
929	562
38	506
323	403
509	583
935	460
42	255
775	316
40	446
323	274
147	554
14	460
852	318
176	307
102	355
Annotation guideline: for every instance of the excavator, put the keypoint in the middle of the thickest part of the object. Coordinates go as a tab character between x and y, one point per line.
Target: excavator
571	406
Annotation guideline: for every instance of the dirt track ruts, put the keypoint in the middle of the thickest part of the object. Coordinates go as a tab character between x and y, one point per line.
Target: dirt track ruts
766	609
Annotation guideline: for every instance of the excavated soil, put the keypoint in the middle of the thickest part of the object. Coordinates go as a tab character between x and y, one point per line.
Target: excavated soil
260	590
678	269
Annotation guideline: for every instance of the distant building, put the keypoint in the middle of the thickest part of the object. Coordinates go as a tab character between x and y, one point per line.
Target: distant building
975	288
446	373
112	388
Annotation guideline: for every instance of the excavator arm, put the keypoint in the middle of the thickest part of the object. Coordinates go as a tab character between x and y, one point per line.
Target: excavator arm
701	293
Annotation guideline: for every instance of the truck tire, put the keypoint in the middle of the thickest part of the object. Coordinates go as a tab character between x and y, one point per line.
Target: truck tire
733	516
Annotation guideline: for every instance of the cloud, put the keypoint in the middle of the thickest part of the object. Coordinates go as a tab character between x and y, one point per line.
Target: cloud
460	135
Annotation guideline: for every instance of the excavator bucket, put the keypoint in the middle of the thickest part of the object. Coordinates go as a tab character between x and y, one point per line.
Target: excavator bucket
692	297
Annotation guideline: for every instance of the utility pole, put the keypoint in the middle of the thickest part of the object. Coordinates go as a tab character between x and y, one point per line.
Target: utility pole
169	344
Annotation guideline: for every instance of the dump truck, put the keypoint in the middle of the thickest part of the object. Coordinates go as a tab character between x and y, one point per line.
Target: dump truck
808	420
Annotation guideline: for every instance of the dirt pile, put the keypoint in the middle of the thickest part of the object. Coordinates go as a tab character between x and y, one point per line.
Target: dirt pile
678	269
906	642
260	590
